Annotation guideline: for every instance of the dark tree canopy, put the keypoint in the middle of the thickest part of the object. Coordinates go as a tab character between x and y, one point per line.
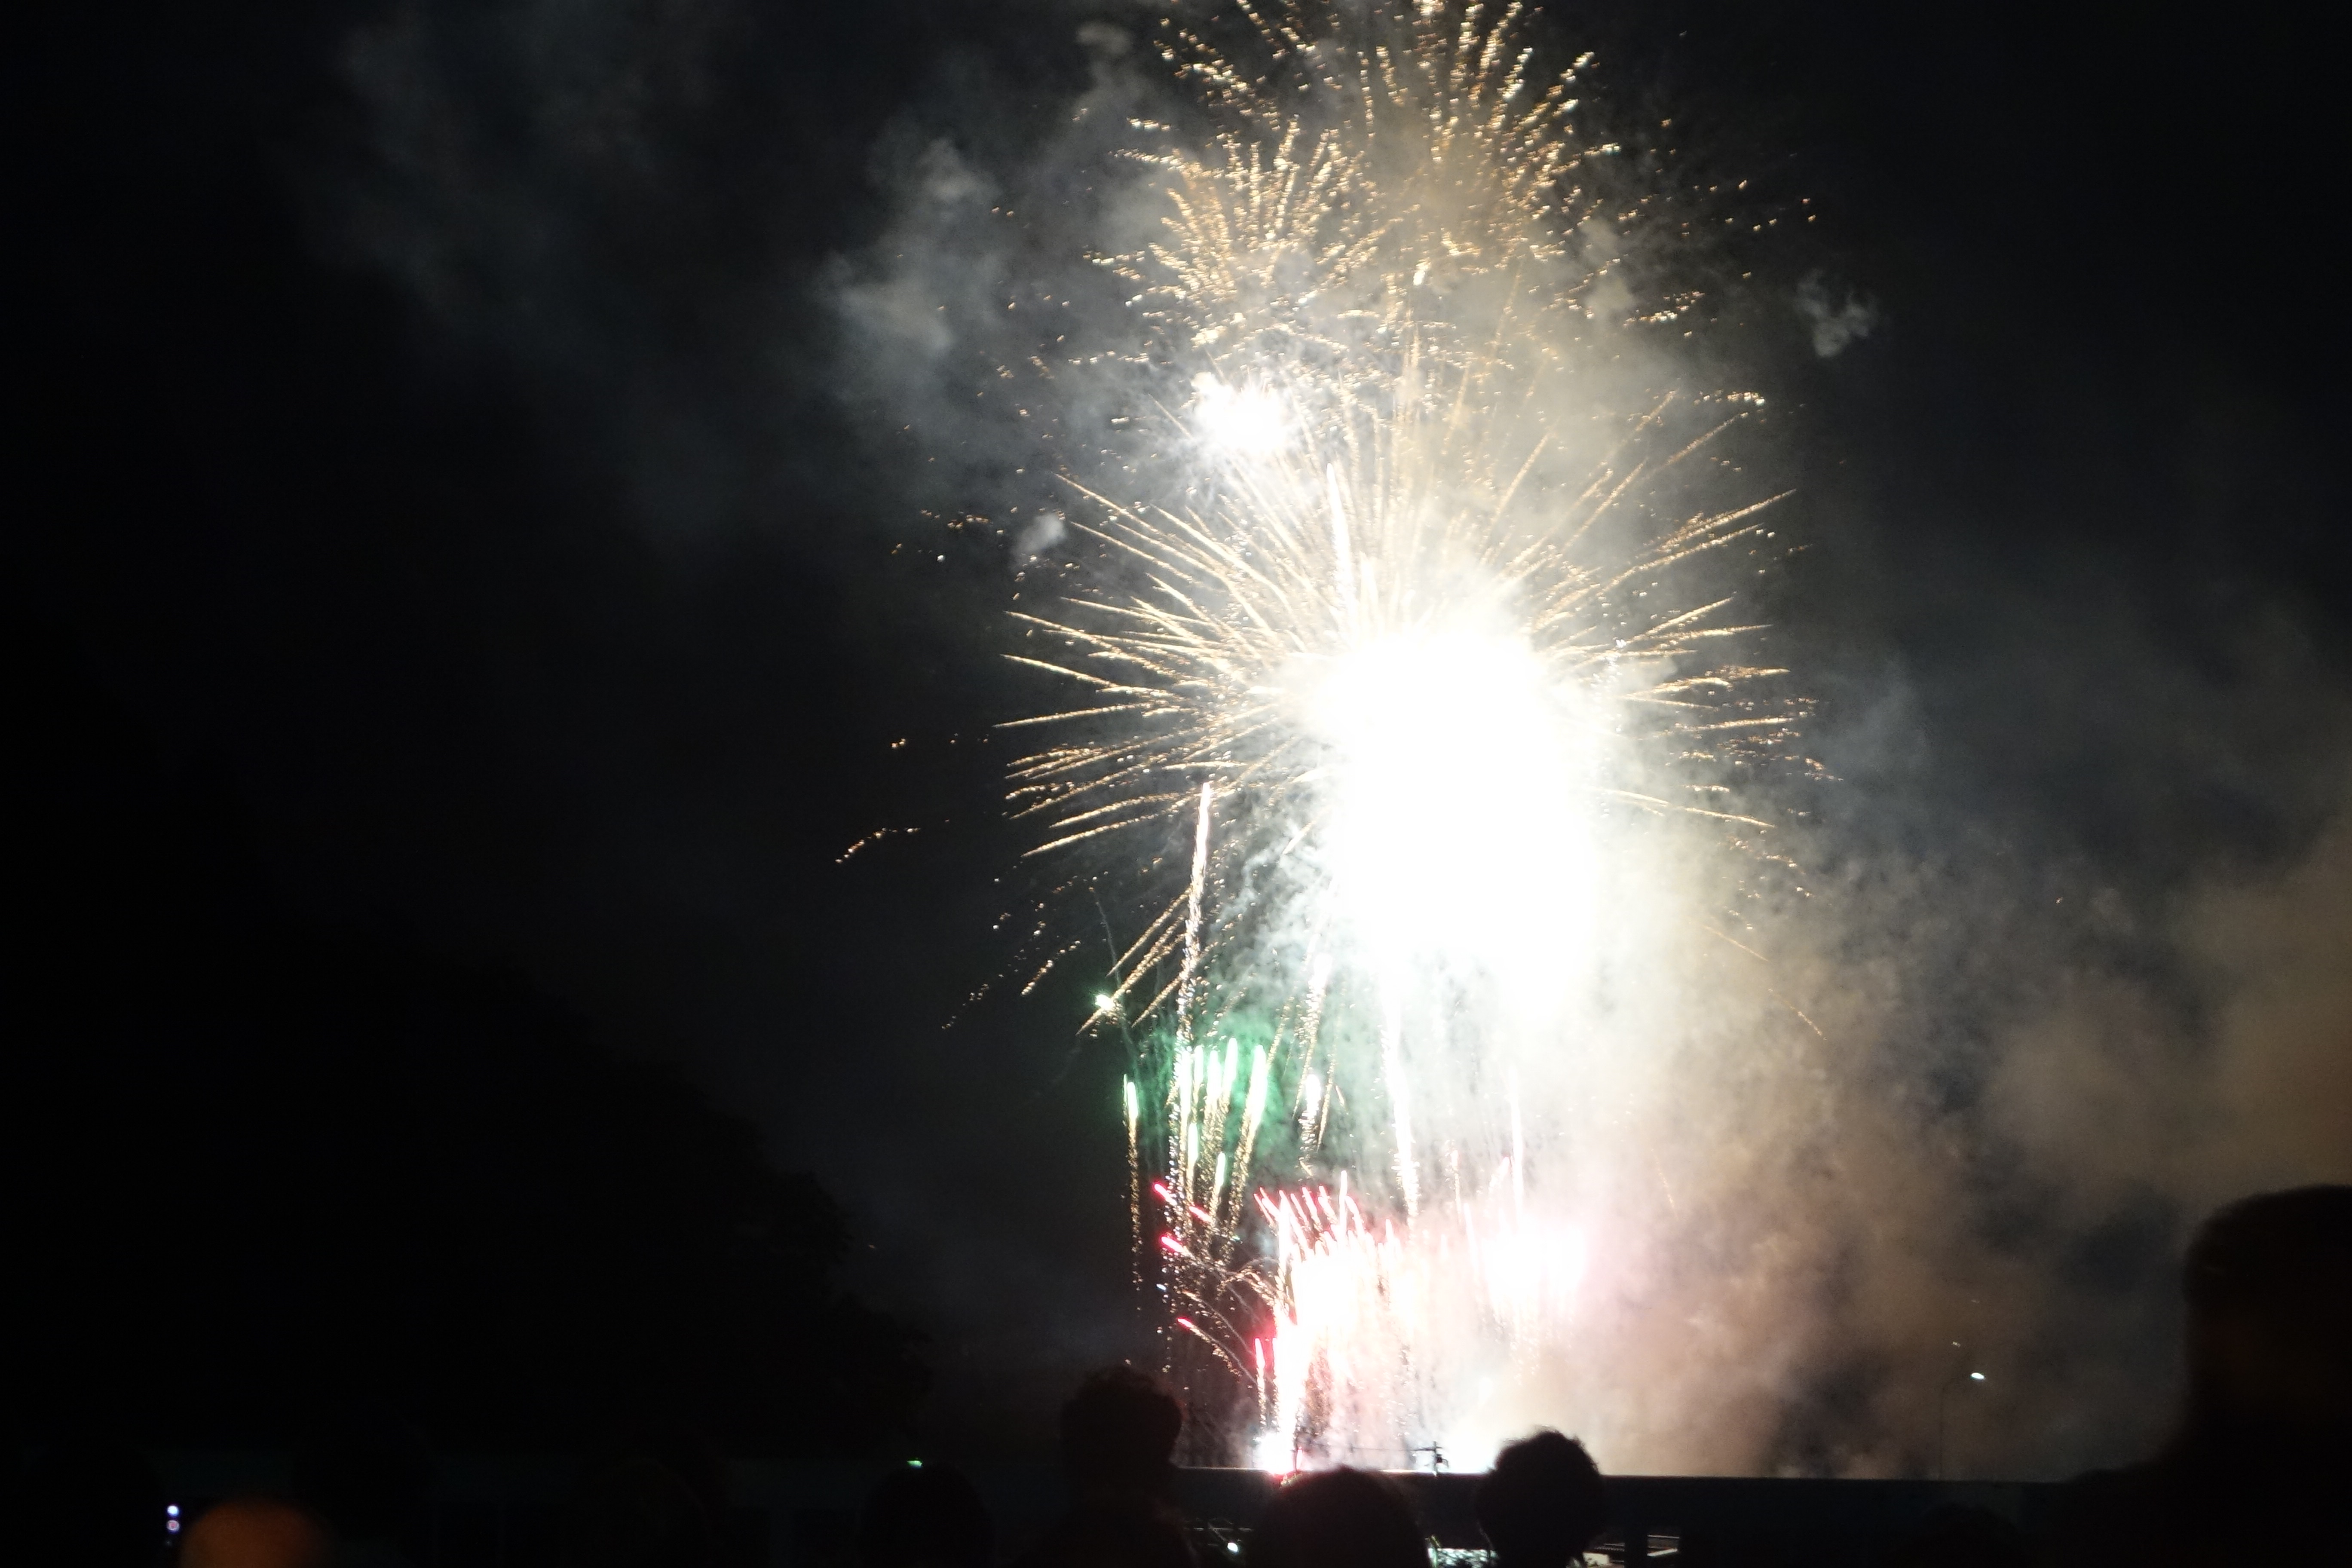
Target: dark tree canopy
252	1172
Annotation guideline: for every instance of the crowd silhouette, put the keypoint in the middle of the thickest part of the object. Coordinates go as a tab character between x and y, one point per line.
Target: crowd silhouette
2259	1470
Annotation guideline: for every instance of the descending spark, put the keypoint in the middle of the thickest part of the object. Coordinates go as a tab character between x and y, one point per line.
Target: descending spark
1190	971
1134	1108
1399	1106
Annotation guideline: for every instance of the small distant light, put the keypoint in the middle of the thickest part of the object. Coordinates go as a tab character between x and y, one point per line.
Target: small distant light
1976	1377
1234	1547
172	1510
914	1464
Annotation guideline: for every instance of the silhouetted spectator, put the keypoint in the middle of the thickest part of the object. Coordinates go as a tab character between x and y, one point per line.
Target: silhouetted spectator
2263	1461
86	1505
1952	1536
928	1516
1119	1434
1338	1519
637	1513
1118	1450
255	1532
1542	1503
367	1476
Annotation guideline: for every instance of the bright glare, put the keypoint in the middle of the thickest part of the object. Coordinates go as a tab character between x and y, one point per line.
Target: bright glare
1457	826
1243	421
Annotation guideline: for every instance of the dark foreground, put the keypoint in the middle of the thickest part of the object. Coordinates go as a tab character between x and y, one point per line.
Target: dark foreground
507	1512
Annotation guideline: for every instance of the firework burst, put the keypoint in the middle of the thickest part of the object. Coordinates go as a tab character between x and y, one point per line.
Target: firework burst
1420	628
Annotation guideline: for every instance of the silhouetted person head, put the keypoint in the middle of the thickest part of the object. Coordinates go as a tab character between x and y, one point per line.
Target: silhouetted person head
1542	1503
1338	1519
1119	1432
255	1532
637	1513
366	1475
2265	1446
87	1505
927	1517
2269	1288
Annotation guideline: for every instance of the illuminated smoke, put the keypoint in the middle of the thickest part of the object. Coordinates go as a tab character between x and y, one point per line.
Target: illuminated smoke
1429	672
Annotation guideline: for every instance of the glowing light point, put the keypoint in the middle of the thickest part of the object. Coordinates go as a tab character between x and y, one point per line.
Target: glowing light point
1273	1453
1240	421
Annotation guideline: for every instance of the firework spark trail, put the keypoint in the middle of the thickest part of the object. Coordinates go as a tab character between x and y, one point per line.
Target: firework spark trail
1314	1105
1399	1088
1417	630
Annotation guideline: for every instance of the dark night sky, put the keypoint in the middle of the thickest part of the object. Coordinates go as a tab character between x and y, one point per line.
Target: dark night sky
554	620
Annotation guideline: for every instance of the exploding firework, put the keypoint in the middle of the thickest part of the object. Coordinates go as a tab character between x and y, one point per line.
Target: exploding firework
1423	640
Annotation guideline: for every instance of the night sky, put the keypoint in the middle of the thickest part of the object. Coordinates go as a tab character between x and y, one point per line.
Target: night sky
436	441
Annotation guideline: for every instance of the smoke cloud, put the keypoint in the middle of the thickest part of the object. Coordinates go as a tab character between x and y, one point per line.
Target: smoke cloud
1837	325
1961	1082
